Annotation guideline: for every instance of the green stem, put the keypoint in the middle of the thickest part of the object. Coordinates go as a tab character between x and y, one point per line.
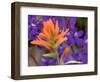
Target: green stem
58	60
55	50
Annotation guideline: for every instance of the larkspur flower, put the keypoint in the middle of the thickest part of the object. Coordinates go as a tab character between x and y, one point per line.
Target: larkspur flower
74	35
75	38
82	55
34	27
48	61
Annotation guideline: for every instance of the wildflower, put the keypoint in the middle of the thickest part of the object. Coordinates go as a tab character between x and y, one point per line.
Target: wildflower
50	37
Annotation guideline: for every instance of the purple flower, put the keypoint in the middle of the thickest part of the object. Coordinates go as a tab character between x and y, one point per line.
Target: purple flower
74	38
72	23
34	27
62	23
81	54
48	61
31	18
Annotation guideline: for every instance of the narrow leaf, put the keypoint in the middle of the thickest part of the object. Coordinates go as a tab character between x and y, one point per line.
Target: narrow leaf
50	55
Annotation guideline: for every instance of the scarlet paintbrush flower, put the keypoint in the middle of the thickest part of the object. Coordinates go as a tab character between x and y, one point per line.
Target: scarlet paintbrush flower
66	51
51	36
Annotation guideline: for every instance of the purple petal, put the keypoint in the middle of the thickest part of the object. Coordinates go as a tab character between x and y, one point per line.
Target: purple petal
79	34
73	20
79	42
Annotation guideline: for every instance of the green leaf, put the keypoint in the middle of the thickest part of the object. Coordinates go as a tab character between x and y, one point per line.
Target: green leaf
50	55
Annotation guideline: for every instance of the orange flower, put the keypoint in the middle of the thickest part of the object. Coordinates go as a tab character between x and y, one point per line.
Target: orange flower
51	37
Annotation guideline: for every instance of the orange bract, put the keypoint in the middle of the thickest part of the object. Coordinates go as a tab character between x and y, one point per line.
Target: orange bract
50	36
66	51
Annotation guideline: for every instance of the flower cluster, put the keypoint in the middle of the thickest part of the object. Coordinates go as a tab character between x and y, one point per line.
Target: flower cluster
63	40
